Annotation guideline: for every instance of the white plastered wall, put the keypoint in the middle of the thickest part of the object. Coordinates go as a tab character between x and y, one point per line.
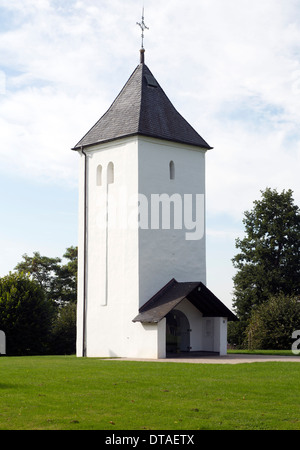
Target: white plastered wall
167	254
112	257
220	335
112	299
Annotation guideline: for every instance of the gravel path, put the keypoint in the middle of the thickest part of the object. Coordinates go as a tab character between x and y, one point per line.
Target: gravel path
228	359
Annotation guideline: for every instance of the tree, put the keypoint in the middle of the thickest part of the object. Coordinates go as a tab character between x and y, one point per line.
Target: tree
42	269
272	323
268	262
25	315
58	280
66	279
63	335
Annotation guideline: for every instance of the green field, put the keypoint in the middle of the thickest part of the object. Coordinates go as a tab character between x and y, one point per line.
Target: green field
66	393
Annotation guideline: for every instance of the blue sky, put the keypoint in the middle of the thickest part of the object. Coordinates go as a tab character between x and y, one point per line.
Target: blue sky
231	67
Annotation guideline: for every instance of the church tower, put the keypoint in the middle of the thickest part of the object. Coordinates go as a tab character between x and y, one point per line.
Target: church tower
142	264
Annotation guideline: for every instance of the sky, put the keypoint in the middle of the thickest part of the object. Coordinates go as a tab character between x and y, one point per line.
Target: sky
230	67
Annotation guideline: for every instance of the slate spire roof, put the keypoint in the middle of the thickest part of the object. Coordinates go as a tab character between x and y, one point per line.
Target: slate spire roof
142	108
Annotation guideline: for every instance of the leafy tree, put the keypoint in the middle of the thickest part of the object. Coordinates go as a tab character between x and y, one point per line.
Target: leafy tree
236	334
63	335
272	323
268	261
66	279
58	280
25	315
42	269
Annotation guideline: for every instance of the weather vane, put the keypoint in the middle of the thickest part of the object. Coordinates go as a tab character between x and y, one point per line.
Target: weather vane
143	27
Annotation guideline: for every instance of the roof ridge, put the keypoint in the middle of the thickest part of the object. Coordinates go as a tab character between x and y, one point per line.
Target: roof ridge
140	115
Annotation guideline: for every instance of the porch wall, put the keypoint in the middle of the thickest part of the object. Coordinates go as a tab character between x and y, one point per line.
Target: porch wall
208	333
220	335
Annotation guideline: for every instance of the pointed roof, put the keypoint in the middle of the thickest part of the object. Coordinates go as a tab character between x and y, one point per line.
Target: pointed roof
173	293
142	108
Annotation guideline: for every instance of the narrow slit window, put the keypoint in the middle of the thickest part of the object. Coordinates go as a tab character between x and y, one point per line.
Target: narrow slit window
172	170
99	175
110	173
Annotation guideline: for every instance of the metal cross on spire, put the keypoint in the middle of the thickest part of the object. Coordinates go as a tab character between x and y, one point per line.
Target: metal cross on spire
143	27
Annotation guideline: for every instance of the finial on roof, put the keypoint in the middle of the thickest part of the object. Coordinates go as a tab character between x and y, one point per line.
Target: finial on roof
142	56
143	27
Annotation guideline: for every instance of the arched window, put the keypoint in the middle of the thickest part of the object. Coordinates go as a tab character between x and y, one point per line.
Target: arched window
172	170
99	175
110	173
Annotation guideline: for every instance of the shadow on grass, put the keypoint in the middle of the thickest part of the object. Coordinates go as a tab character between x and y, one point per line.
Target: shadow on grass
11	386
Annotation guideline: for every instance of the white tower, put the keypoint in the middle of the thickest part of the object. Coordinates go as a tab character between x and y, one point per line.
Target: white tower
141	229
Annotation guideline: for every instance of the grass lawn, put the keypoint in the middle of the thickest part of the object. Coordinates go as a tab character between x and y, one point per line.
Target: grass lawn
66	393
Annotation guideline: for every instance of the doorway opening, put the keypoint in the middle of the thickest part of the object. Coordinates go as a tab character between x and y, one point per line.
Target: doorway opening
177	332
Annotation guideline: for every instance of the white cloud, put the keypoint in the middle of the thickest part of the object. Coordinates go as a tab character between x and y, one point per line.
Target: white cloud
231	68
66	61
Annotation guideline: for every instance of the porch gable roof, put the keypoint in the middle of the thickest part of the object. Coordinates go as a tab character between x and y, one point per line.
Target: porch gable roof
173	293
